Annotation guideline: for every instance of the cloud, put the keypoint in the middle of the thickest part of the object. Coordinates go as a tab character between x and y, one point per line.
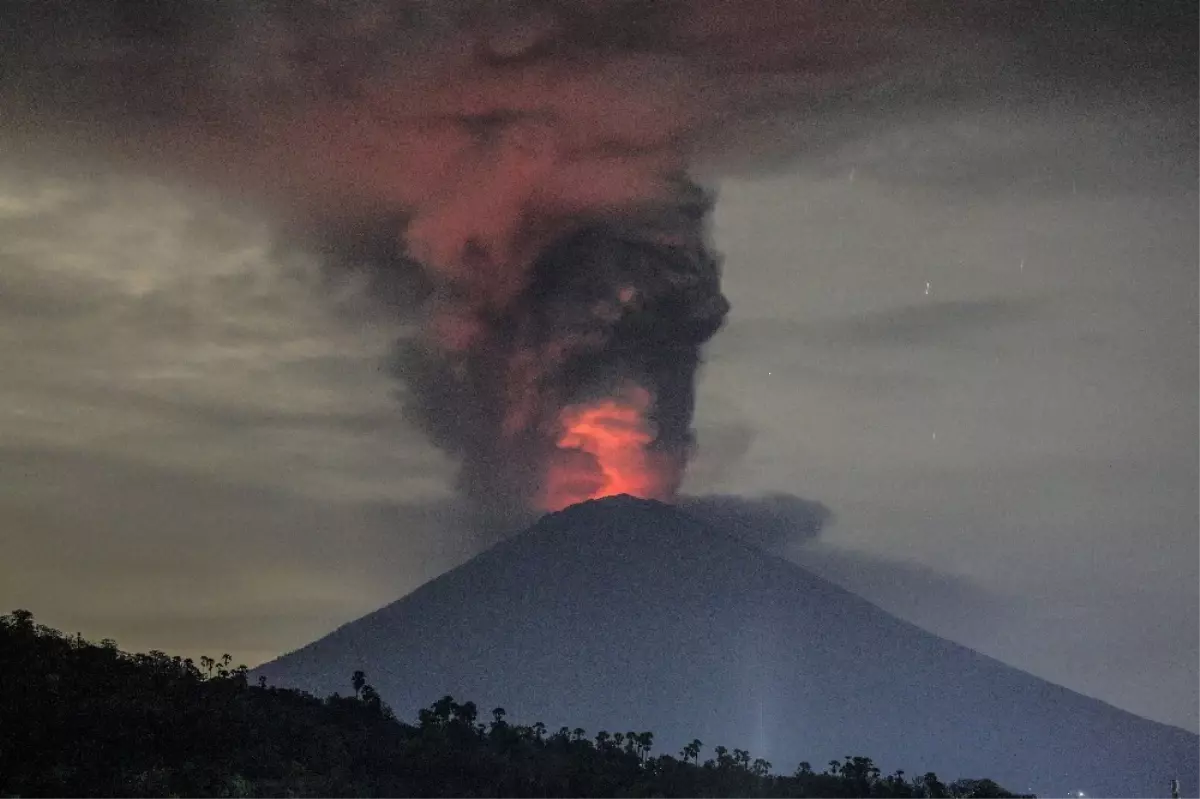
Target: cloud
790	526
163	558
951	605
770	522
153	325
947	324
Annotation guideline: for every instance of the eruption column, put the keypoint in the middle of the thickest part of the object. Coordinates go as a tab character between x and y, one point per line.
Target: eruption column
583	384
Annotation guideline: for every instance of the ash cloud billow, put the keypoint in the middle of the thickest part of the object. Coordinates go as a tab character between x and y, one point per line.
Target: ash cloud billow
536	159
614	312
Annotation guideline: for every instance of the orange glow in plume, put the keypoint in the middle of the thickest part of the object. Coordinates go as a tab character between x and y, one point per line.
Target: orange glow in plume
603	451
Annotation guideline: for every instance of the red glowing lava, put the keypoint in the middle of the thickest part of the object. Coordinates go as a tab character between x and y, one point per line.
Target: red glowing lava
603	450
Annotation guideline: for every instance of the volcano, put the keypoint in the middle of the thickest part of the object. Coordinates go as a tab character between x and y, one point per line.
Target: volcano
624	614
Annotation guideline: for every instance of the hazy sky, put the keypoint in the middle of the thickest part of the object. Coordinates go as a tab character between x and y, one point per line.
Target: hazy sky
971	334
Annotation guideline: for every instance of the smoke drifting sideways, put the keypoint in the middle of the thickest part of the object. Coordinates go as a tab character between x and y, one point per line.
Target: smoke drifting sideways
535	159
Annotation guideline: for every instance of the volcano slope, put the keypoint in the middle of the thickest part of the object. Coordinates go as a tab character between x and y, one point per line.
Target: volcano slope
624	614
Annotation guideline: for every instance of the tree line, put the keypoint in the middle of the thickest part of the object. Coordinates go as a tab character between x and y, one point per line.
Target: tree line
84	719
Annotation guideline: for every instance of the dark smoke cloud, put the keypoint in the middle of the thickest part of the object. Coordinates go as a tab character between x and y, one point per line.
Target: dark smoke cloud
615	300
771	522
526	162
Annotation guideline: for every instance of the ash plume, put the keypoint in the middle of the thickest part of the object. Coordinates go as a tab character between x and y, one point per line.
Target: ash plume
535	157
617	299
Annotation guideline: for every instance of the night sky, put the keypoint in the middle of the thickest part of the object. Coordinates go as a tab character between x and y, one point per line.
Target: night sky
968	328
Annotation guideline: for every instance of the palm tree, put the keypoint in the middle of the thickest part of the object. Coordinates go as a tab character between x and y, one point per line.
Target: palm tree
723	758
645	742
358	680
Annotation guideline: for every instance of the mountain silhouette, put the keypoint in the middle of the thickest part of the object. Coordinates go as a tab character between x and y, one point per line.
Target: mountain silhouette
624	614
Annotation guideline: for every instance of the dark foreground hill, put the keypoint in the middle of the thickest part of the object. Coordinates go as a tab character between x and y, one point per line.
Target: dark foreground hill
627	614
